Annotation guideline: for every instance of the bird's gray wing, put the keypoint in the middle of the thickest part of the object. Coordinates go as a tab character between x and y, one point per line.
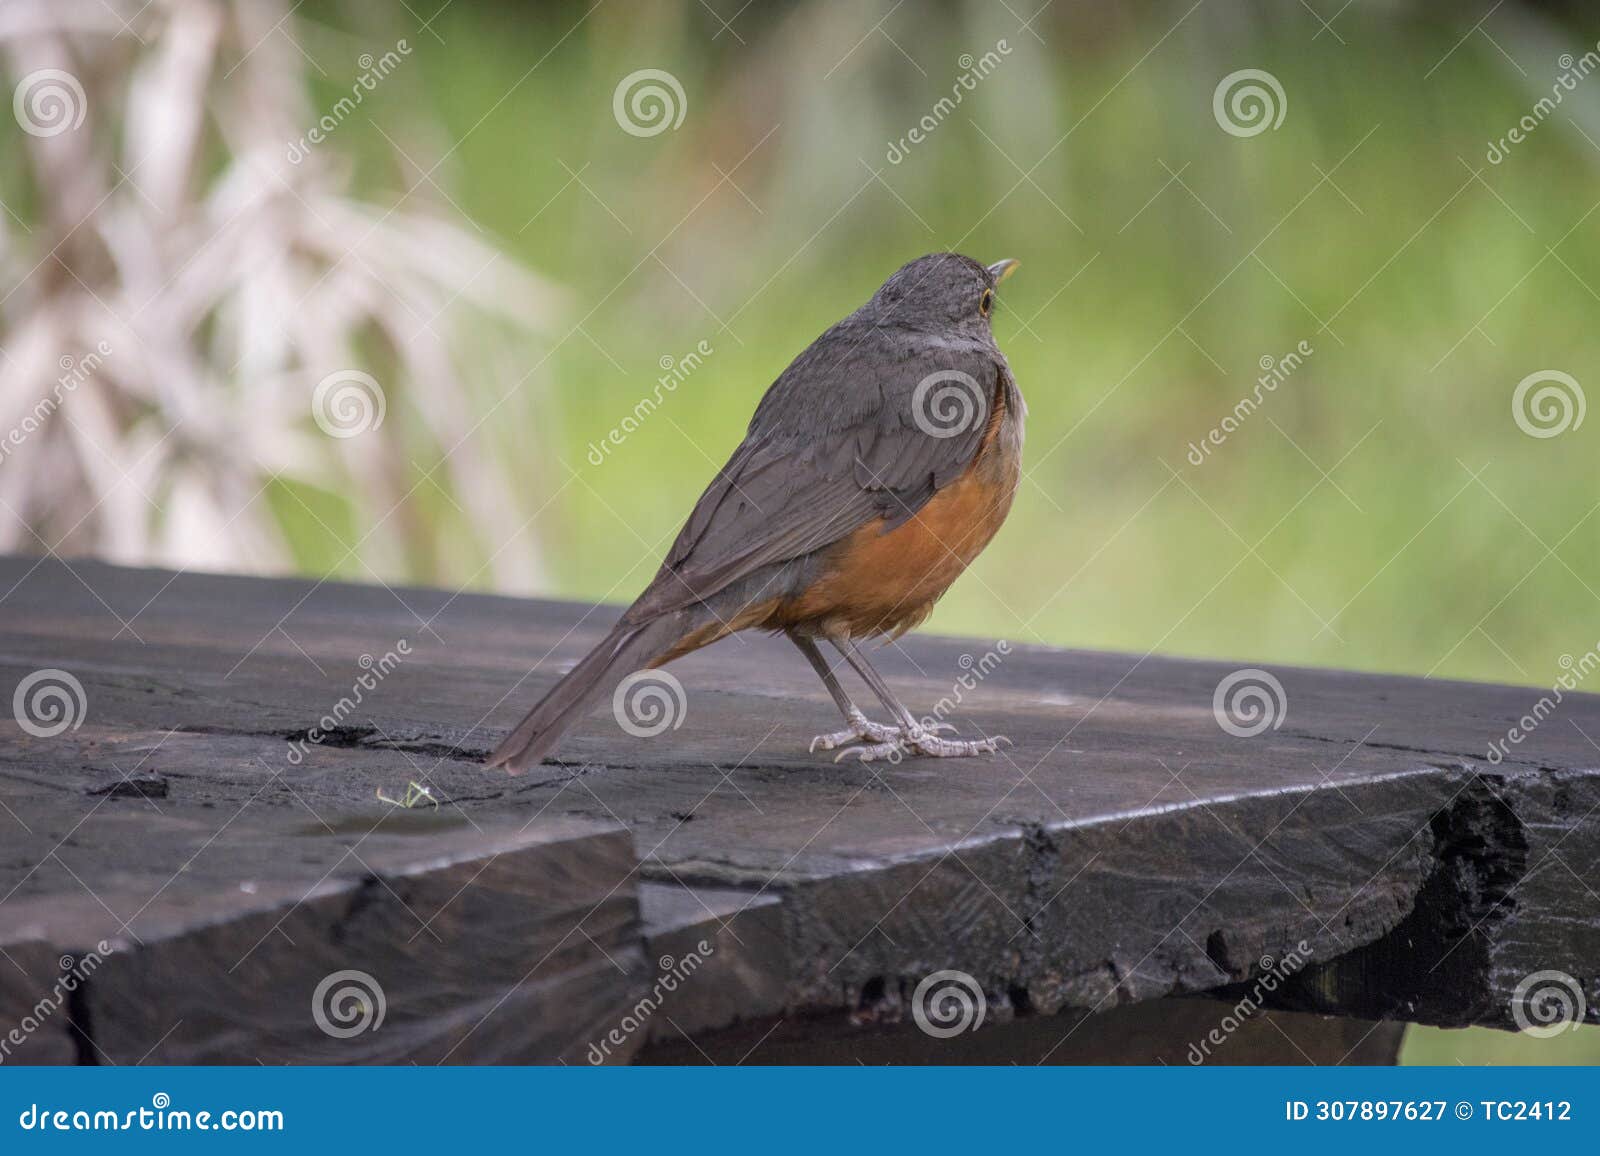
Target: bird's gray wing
847	434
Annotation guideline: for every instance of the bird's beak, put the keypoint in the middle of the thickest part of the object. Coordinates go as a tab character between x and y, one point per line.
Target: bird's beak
1000	270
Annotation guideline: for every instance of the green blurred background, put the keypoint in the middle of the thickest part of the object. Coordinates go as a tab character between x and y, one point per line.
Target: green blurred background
1381	511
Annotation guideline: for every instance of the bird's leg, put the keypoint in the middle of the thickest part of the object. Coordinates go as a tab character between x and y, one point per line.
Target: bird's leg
861	728
915	737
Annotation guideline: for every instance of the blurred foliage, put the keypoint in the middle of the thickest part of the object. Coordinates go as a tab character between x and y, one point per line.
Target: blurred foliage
1162	259
216	313
1576	1046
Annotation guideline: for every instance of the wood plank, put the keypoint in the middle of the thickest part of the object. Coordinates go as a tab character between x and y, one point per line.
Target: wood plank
1124	850
257	937
735	944
38	985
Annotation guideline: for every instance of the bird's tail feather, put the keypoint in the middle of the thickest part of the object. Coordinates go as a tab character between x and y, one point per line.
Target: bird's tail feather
629	647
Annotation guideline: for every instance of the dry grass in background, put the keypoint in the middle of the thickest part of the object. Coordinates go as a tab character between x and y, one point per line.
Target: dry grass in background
188	287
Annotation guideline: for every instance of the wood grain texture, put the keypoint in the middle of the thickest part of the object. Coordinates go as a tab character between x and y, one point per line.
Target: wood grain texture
1125	849
740	959
391	938
38	985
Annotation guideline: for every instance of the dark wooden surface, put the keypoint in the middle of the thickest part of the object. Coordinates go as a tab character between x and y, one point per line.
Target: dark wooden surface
492	945
1125	849
1160	1031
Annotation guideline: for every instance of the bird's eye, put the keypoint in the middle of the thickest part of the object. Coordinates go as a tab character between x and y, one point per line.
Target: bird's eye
985	302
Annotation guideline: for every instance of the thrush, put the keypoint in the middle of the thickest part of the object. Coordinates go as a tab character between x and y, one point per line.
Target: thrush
877	466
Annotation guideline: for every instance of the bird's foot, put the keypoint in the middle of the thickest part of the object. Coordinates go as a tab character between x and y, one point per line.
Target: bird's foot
922	741
864	730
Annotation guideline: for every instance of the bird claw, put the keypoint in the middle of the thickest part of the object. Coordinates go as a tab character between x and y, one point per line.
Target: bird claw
870	751
864	730
938	748
923	741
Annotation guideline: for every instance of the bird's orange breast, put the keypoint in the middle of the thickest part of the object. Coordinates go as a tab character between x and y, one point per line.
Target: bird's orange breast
878	581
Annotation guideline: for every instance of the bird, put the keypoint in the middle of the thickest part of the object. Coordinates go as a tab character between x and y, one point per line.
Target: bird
876	467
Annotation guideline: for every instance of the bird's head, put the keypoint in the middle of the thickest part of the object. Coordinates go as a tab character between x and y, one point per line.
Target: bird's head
941	292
